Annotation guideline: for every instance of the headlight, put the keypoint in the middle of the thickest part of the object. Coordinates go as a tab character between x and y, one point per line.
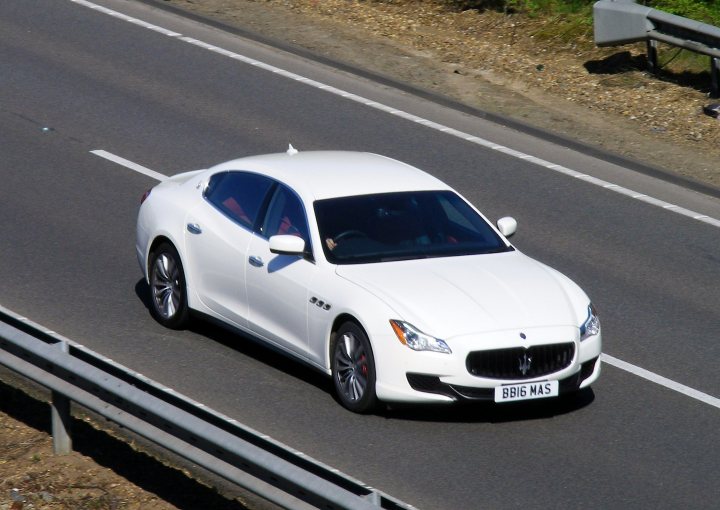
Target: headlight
416	339
591	326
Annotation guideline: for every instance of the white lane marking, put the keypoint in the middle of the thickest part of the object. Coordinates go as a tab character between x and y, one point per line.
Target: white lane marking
399	113
662	381
129	164
119	15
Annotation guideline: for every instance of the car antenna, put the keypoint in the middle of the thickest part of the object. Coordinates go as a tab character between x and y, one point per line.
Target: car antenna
291	150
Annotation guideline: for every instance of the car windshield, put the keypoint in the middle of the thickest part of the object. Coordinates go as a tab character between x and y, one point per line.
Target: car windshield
402	226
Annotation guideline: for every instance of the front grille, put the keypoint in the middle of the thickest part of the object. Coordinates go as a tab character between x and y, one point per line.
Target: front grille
520	363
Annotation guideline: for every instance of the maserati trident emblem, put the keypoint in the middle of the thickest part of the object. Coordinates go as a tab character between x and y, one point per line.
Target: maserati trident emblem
525	363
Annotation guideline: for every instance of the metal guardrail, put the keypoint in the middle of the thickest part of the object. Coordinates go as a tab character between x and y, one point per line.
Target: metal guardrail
186	428
618	22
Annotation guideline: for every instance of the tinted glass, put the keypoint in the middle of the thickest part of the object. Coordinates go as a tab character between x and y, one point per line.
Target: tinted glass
400	226
239	195
286	215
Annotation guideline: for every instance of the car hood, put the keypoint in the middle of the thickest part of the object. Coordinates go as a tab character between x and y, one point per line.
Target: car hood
454	296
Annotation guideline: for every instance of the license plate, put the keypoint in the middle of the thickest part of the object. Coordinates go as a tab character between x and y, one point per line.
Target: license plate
526	391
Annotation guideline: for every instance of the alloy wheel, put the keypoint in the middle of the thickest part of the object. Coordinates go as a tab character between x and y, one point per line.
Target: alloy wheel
166	286
352	367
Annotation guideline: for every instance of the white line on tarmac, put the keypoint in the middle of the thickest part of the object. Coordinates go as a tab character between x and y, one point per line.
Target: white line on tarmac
662	381
129	164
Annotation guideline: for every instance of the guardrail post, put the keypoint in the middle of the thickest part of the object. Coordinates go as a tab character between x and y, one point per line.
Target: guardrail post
374	498
714	77
652	56
62	442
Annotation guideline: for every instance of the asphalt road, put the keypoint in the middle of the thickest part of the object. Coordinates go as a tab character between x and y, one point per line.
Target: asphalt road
74	79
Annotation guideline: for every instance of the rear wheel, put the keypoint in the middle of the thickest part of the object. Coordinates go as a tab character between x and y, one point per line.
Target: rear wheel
353	369
168	291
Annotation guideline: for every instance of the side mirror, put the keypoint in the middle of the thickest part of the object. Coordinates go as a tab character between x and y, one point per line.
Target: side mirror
287	245
507	225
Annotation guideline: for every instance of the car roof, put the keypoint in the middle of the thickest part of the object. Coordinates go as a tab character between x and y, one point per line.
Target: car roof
326	174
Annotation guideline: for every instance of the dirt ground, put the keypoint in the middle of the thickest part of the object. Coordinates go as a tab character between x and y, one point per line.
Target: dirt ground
542	72
32	477
101	473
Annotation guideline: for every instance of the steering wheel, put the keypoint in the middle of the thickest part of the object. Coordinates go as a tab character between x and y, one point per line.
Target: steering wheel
348	234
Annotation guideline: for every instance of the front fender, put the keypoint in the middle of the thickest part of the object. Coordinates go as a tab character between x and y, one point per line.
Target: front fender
347	301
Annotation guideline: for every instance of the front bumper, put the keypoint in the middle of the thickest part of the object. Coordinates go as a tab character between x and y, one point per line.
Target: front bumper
411	376
433	384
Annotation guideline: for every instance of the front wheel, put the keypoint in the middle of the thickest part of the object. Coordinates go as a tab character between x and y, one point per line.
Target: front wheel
167	288
353	369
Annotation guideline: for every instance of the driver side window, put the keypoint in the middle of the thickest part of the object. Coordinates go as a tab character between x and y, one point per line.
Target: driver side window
286	216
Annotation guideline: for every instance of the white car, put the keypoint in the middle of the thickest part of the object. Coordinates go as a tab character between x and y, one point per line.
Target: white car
370	270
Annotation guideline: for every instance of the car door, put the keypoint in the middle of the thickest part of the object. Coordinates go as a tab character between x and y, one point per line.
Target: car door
277	285
218	233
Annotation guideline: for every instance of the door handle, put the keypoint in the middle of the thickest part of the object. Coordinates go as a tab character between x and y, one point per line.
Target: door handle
194	228
256	261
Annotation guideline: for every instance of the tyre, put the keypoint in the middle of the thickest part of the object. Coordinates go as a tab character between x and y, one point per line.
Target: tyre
353	369
168	291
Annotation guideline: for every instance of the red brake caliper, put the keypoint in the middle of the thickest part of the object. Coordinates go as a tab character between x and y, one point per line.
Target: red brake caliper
363	365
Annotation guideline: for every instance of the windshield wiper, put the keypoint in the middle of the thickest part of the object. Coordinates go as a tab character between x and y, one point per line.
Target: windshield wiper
411	256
